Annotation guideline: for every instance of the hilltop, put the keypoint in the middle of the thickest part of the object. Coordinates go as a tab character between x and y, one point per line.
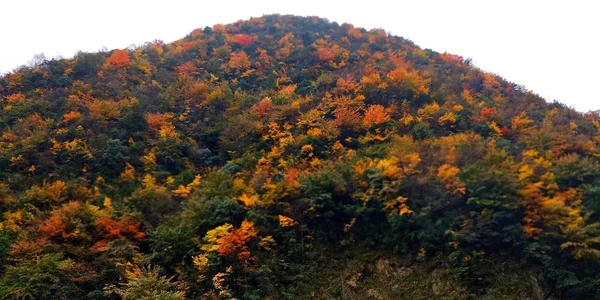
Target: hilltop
289	157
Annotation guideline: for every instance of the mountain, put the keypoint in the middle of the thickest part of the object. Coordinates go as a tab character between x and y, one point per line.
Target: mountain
289	157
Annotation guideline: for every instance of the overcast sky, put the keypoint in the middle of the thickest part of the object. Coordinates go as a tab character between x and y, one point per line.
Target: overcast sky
550	47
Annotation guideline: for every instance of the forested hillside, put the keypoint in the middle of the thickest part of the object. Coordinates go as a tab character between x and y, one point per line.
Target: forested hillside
287	157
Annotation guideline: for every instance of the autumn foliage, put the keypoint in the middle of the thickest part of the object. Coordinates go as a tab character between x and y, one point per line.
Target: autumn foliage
279	157
119	58
375	115
242	39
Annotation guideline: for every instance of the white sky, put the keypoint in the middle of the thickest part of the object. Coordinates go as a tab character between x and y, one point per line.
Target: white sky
550	47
